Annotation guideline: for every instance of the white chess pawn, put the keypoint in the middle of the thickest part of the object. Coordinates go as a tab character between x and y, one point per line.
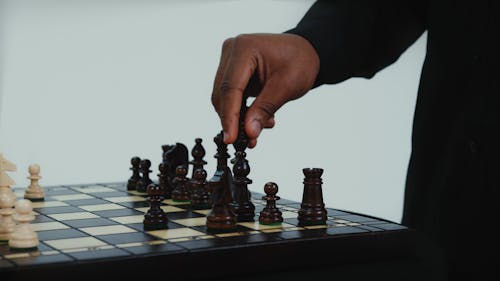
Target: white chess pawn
6	223
34	192
24	236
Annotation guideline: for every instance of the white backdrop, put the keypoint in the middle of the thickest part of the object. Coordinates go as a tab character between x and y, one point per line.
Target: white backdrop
87	84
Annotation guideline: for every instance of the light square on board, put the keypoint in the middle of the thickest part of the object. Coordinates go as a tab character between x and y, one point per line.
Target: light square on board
107	229
70	197
73	216
75	243
135	192
175	233
53	225
203	212
129	219
166	209
93	189
172	202
192	221
48	204
120	199
101	207
257	226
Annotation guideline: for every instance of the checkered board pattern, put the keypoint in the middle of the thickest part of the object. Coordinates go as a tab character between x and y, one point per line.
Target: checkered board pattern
103	221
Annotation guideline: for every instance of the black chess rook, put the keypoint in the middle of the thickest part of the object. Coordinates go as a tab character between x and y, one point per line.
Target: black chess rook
312	209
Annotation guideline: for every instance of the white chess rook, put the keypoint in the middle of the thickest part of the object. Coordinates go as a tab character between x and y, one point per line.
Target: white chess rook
34	191
24	236
6	223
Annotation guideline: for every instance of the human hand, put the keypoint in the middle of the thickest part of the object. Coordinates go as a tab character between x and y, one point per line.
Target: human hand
274	68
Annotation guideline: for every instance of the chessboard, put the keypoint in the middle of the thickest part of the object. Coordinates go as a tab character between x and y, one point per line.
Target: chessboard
84	229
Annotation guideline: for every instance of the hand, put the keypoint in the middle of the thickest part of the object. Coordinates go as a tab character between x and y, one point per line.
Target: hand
274	68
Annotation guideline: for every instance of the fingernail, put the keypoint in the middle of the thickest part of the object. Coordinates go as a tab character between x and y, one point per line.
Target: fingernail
224	136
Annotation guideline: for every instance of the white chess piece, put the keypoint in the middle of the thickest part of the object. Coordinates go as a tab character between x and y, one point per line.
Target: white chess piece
5	181
24	236
34	192
6	223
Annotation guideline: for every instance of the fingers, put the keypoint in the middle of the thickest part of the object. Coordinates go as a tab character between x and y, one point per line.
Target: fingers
226	51
235	69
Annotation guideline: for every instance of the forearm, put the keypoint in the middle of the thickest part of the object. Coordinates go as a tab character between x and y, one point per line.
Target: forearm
357	38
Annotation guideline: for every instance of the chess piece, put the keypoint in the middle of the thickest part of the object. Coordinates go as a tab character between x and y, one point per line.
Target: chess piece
165	148
5	181
243	207
199	193
34	192
174	156
6	222
221	216
163	181
271	215
198	152
144	181
181	192
221	157
155	217
24	237
136	176
312	209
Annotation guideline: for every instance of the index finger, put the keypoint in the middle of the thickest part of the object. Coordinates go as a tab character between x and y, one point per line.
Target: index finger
238	72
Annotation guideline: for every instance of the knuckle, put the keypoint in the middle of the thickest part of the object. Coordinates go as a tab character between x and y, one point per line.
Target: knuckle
226	45
226	88
268	108
243	41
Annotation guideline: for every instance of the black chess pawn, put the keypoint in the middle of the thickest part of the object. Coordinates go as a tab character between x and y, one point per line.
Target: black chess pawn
163	180
242	206
312	209
136	176
181	191
198	152
271	215
155	217
199	193
142	184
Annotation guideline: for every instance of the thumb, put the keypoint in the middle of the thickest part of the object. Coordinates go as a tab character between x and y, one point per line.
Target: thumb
261	112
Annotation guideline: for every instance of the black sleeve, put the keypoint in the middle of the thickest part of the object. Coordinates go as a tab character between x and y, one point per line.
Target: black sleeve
357	38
